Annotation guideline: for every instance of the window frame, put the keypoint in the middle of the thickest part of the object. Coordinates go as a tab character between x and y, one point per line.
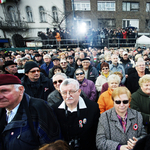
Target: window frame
42	14
130	4
105	3
80	5
30	15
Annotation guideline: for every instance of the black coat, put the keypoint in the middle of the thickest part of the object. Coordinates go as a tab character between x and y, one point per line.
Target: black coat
45	87
70	71
70	124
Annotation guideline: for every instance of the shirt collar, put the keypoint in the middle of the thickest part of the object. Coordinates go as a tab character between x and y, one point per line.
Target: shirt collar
82	105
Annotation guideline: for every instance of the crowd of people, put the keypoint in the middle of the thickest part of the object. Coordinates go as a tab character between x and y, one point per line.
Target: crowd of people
75	99
121	36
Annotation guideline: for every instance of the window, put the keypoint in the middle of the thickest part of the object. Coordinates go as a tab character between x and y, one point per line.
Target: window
106	6
103	23
128	6
147	7
55	14
130	23
82	6
42	14
148	23
29	14
11	14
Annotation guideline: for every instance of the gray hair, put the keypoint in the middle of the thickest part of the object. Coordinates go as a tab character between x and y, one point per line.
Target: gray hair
68	82
60	74
114	77
47	55
114	55
139	62
16	86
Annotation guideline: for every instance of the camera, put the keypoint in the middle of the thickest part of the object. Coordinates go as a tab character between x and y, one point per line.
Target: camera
74	143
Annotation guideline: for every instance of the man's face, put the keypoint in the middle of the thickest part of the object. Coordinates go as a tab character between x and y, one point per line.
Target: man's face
38	58
57	80
12	69
33	74
85	64
63	64
56	62
31	52
9	97
114	59
26	51
47	59
140	67
70	94
121	52
70	60
125	57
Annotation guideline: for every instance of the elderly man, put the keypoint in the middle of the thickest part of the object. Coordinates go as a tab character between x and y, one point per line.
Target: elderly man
55	96
48	64
132	80
91	73
69	71
115	66
36	84
25	122
78	117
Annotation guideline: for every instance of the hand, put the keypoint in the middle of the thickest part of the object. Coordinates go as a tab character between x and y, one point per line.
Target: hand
124	147
131	143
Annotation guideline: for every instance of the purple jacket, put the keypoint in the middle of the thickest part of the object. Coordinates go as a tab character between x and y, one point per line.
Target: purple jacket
88	87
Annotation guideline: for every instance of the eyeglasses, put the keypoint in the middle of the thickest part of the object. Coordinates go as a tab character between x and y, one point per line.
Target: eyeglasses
86	62
34	71
105	68
59	81
63	62
70	92
119	102
81	73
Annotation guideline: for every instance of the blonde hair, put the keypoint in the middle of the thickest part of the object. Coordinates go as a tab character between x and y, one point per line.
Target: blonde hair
119	91
144	79
119	74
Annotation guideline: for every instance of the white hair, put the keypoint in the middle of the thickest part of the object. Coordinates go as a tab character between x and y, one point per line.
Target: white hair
113	77
60	74
68	82
16	86
47	55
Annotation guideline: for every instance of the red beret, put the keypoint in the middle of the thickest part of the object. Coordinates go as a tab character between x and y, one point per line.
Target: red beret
6	79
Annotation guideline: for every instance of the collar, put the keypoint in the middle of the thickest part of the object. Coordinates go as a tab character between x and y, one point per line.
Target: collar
82	105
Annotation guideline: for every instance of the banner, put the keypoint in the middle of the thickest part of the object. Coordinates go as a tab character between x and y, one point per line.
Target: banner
2	1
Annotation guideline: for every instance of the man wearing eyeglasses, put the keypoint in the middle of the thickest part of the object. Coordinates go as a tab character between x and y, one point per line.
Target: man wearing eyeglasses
78	117
35	83
69	71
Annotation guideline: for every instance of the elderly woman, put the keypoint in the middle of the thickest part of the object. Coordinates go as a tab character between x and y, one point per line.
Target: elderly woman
141	100
103	77
120	127
105	101
87	86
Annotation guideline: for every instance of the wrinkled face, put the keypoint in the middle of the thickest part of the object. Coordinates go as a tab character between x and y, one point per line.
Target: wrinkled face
70	94
121	108
9	97
33	74
125	57
113	84
47	59
12	69
105	70
63	64
114	59
140	67
57	80
85	64
146	88
56	62
80	75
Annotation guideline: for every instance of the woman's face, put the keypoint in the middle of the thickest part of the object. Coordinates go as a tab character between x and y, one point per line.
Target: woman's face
113	84
63	56
146	88
121	108
80	75
79	62
57	71
105	70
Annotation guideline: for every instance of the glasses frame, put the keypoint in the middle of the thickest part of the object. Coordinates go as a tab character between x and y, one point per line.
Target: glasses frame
70	92
58	81
118	102
34	71
81	73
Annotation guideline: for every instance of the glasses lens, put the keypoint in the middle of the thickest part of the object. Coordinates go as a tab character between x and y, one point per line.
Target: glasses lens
79	73
59	81
34	71
104	68
124	102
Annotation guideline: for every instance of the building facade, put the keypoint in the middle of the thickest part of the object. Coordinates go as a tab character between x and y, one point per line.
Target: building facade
25	18
113	14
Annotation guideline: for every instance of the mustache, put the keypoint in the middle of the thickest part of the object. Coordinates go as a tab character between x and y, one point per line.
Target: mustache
70	98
